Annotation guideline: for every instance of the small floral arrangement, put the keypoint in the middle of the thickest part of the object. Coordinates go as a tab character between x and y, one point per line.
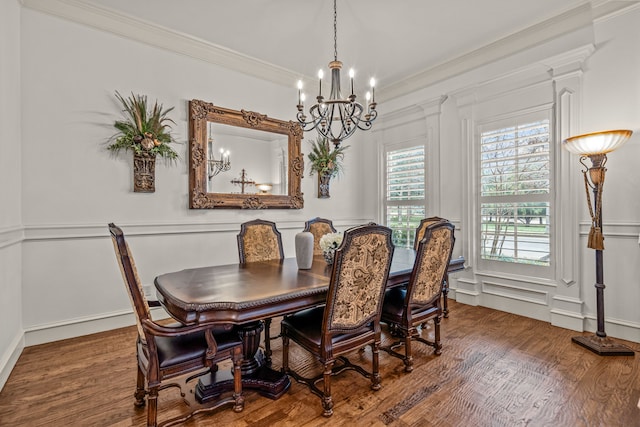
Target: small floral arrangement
330	241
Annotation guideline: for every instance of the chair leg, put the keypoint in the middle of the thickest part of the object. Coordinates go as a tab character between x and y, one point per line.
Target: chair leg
408	355
152	407
238	406
140	392
436	341
445	295
327	401
267	341
375	377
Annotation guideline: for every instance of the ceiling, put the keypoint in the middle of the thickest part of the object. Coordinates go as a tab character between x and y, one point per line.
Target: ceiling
390	40
386	39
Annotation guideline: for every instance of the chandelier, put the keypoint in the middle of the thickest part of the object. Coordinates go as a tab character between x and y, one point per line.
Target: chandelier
337	118
216	166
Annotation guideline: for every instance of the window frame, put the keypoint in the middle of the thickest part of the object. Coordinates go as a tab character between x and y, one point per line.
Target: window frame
521	116
417	203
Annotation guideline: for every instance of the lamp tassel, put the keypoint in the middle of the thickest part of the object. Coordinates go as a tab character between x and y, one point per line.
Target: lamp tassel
596	239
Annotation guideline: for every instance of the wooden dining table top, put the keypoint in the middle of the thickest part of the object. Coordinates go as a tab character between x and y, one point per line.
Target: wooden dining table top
241	293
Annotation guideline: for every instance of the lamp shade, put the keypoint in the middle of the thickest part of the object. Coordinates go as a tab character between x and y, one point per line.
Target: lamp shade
596	142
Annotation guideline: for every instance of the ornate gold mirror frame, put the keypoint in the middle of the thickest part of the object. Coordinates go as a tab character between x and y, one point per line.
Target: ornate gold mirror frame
200	115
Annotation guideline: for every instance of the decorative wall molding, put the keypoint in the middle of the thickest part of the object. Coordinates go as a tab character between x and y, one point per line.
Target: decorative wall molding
72	328
114	22
11	236
516	278
132	28
9	358
91	231
520	293
554	27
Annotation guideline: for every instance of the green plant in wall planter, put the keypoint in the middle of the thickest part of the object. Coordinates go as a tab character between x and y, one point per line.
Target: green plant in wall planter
146	132
326	162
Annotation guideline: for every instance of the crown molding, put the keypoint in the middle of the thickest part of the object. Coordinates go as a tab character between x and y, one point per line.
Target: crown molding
515	43
572	20
120	24
123	25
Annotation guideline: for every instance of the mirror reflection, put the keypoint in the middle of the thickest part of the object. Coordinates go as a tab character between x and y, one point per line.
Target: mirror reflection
246	161
241	159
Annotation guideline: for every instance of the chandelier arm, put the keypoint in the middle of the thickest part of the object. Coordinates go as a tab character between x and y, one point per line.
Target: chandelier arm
310	125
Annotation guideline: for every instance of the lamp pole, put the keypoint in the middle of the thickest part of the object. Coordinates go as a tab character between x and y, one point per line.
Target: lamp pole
594	147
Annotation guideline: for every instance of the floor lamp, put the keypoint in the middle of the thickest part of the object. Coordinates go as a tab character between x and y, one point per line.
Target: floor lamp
595	147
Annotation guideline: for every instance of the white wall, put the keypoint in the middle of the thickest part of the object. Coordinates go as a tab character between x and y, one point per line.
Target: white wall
72	187
11	336
600	63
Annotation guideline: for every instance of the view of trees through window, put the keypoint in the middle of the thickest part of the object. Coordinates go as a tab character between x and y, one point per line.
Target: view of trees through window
515	193
405	193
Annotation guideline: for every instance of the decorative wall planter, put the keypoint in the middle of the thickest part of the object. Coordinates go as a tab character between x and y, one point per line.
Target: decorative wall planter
324	179
144	173
145	131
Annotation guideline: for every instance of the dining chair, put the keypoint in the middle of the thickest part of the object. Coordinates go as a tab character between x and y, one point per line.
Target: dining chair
166	352
260	240
404	309
422	227
419	235
350	319
318	227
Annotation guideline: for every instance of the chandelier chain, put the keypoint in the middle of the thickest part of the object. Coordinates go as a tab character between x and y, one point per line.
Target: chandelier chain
335	31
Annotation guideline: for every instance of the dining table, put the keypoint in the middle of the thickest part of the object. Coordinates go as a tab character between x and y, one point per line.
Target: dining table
243	295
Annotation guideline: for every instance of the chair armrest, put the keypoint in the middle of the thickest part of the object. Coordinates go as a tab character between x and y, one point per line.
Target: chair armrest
167	331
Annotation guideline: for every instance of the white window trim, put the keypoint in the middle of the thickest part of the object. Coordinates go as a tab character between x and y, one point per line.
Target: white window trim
520	269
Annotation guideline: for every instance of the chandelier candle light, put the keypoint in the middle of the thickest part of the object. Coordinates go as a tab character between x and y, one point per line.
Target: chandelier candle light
337	118
217	166
595	147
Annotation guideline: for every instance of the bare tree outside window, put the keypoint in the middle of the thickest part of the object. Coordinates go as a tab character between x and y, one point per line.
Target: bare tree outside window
515	193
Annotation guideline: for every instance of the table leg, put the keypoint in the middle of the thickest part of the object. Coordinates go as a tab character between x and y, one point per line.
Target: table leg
256	375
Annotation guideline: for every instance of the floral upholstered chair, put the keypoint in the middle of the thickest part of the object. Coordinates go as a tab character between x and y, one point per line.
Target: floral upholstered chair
169	351
351	317
405	309
318	227
260	240
420	230
419	235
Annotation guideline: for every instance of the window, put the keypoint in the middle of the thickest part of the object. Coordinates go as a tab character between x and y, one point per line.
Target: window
515	190
405	193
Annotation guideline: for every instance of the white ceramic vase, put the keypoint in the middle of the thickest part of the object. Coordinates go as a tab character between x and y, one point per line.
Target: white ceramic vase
304	250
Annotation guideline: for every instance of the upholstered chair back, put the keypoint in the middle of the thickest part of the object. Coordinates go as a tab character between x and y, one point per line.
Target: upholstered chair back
432	260
423	227
130	278
358	280
259	240
318	227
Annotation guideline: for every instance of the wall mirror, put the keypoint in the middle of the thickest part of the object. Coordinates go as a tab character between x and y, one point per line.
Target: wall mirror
243	160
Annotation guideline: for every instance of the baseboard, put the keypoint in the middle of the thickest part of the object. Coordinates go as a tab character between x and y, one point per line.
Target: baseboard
567	319
84	326
615	328
10	358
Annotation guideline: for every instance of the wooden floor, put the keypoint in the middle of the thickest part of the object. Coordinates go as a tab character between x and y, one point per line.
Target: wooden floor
496	369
